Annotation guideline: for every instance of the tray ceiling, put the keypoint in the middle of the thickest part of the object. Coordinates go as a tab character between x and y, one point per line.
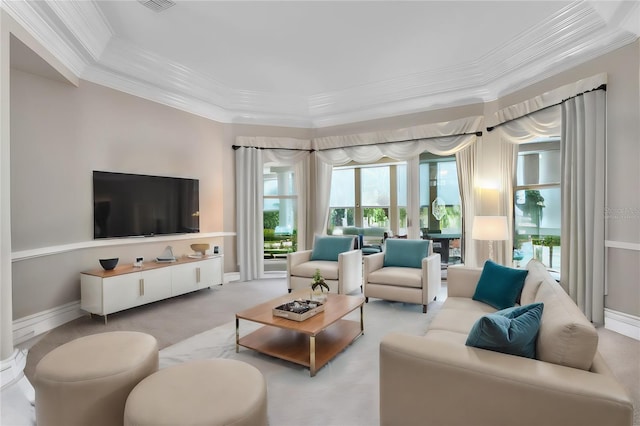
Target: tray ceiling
315	64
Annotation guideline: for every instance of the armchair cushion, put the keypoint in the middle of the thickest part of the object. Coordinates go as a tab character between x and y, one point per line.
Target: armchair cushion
511	331
395	276
328	269
405	253
499	286
329	247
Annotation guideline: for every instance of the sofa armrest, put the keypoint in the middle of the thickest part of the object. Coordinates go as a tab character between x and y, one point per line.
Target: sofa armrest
462	280
349	271
373	262
431	278
419	376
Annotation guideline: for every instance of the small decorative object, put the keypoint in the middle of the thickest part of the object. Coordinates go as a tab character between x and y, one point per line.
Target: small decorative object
166	256
318	285
298	310
138	262
109	264
200	249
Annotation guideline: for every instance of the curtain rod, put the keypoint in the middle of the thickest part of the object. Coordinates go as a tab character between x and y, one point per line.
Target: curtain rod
601	87
478	133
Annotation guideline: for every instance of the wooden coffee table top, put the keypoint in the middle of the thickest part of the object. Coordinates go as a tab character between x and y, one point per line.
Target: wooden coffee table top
336	307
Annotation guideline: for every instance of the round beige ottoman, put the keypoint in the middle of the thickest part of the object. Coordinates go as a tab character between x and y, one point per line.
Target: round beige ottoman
205	392
87	381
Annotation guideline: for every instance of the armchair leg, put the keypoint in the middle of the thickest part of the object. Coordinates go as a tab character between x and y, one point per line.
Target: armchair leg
424	309
366	300
289	290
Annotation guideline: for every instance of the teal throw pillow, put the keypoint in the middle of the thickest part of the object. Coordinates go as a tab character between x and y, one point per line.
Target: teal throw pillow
499	286
329	247
511	331
405	253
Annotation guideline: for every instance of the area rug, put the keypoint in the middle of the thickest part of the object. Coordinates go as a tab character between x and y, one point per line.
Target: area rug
342	393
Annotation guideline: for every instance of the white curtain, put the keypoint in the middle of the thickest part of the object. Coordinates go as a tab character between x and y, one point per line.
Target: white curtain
466	162
580	119
250	160
583	150
445	138
249	203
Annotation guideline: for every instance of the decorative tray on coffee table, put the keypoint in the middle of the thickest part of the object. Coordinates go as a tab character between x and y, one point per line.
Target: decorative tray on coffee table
298	310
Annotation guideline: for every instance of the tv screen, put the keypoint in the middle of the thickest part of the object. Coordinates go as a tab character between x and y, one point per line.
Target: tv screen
126	205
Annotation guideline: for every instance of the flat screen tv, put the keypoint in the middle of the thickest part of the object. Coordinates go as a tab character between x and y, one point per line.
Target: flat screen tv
128	205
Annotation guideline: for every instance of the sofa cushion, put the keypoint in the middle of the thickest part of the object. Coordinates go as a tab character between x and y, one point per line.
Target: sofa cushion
328	269
499	286
456	320
566	336
402	277
512	331
537	274
405	253
329	247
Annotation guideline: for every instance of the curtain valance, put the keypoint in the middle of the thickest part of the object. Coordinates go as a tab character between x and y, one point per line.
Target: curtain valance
546	100
443	138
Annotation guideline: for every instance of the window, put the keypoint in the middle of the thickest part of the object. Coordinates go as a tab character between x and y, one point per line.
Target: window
369	196
279	212
342	201
537	204
440	205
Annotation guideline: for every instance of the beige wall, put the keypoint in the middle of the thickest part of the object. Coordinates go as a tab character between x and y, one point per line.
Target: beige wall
60	134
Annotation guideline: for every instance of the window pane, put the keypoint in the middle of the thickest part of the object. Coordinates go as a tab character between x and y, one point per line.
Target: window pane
343	192
339	218
375	217
278	180
537	226
440	205
375	186
401	173
538	166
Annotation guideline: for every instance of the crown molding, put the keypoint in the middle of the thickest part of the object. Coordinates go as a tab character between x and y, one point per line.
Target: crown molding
80	37
36	18
86	22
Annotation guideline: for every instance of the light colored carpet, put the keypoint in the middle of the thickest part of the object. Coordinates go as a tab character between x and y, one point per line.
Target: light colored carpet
201	323
343	392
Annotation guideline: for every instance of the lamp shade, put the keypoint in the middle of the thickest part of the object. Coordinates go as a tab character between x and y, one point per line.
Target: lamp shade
490	228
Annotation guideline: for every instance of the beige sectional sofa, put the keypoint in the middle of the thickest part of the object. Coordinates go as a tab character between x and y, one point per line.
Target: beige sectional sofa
437	380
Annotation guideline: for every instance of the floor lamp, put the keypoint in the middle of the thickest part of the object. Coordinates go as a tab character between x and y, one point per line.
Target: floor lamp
490	228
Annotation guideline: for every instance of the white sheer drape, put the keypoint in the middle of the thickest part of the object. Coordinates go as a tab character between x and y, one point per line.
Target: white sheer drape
580	118
445	138
250	161
466	162
249	203
583	150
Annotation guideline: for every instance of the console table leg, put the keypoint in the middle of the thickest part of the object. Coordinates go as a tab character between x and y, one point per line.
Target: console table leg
312	355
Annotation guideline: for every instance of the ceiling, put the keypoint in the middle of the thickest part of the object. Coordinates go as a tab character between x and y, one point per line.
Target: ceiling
322	63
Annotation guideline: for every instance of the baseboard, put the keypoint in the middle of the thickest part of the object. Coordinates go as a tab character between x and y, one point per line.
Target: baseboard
11	369
231	276
625	324
33	325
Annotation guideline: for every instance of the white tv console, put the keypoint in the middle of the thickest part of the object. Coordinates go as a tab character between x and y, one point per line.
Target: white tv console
105	292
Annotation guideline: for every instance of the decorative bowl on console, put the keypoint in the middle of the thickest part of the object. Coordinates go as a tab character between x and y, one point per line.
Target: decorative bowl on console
109	264
200	248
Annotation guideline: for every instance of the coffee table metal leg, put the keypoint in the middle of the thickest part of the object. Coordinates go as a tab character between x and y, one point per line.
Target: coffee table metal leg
361	319
237	334
312	355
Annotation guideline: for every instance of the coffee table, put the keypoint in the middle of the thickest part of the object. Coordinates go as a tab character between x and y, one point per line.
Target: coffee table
312	342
